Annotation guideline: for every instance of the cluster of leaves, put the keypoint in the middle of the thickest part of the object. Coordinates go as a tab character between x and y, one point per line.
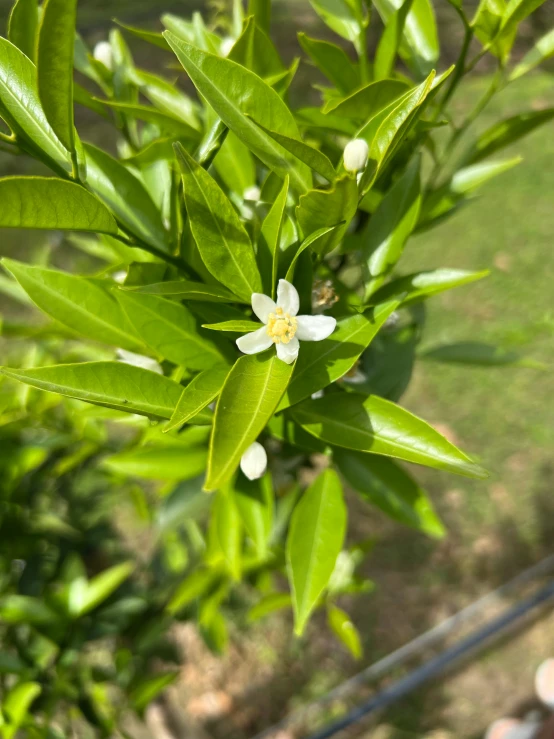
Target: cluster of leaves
210	200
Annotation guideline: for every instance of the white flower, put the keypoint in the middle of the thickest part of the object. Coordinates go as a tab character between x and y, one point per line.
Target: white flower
252	193
356	153
120	276
283	327
103	53
138	360
254	461
226	45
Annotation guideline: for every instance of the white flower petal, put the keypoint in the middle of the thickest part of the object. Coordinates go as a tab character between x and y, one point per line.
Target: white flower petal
288	352
314	328
262	306
254	461
254	342
288	298
138	360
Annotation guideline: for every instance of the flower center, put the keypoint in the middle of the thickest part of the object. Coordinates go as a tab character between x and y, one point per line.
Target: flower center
281	326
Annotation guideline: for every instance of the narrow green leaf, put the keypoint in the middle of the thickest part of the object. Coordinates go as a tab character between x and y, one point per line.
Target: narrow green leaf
367	101
270	236
308	242
21	105
221	238
150	688
389	42
234	165
250	395
378	426
170	329
165	121
24	609
333	62
171	462
23	27
389	487
50	203
541	51
199	393
269	604
315	538
151	37
55	67
344	17
320	208
109	384
508	131
193	587
103	585
323	362
228	529
239	327
254	501
261	10
426	284
255	51
80	304
16	705
473	353
186	290
126	196
344	630
235	93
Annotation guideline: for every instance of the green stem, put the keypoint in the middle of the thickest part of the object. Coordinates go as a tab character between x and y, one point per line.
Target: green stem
459	70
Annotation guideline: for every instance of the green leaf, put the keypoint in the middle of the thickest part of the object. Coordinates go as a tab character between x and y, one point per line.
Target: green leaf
320	208
261	10
465	180
487	20
16	705
186	290
269	604
308	242
239	327
149	688
221	238
389	43
320	363
109	384
228	530
392	223
23	27
378	426
50	203
313	158
158	462
474	353
170	329
193	587
344	17
420	44
515	12
426	284
235	93
254	501
344	630
315	538
24	609
199	393
234	165
250	395
55	67
102	586
270	236
389	487
126	196
21	107
168	98
541	51
365	103
255	51
80	304
333	62
508	131
166	121
151	37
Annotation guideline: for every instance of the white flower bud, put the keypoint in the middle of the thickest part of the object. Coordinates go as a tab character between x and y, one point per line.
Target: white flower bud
356	153
226	45
252	193
103	53
120	276
138	360
544	683
254	461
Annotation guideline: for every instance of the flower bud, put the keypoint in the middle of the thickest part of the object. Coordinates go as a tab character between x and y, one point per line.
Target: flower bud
544	683
226	45
355	155
138	360
103	53
254	461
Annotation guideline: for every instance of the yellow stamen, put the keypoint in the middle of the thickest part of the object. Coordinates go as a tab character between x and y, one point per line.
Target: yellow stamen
281	326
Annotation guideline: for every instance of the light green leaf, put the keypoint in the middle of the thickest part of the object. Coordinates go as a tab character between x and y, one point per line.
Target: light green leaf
378	426
80	304
389	487
541	51
308	242
344	630
23	26
199	393
322	362
239	327
255	51
420	44
270	236
320	208
365	103
315	538
515	12
126	196
109	384
228	530
426	284
250	395
150	36
21	106
165	121
235	93
222	240
508	131
50	203
474	353
15	706
465	180
390	40
254	501
168	98
24	609
234	165
170	329
186	290
487	20
193	587
158	462
55	67
344	17
261	10
103	585
333	62
269	604
150	688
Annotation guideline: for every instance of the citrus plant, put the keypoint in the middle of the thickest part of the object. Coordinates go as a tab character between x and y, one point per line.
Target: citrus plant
249	322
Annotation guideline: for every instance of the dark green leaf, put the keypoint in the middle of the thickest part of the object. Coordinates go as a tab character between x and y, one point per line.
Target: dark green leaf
508	131
255	51
150	688
254	501
475	353
23	609
320	208
333	61
23	27
344	17
270	236
308	242
151	37
261	10
148	113
390	41
199	393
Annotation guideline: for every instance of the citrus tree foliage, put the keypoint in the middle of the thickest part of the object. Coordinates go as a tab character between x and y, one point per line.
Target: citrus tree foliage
245	337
